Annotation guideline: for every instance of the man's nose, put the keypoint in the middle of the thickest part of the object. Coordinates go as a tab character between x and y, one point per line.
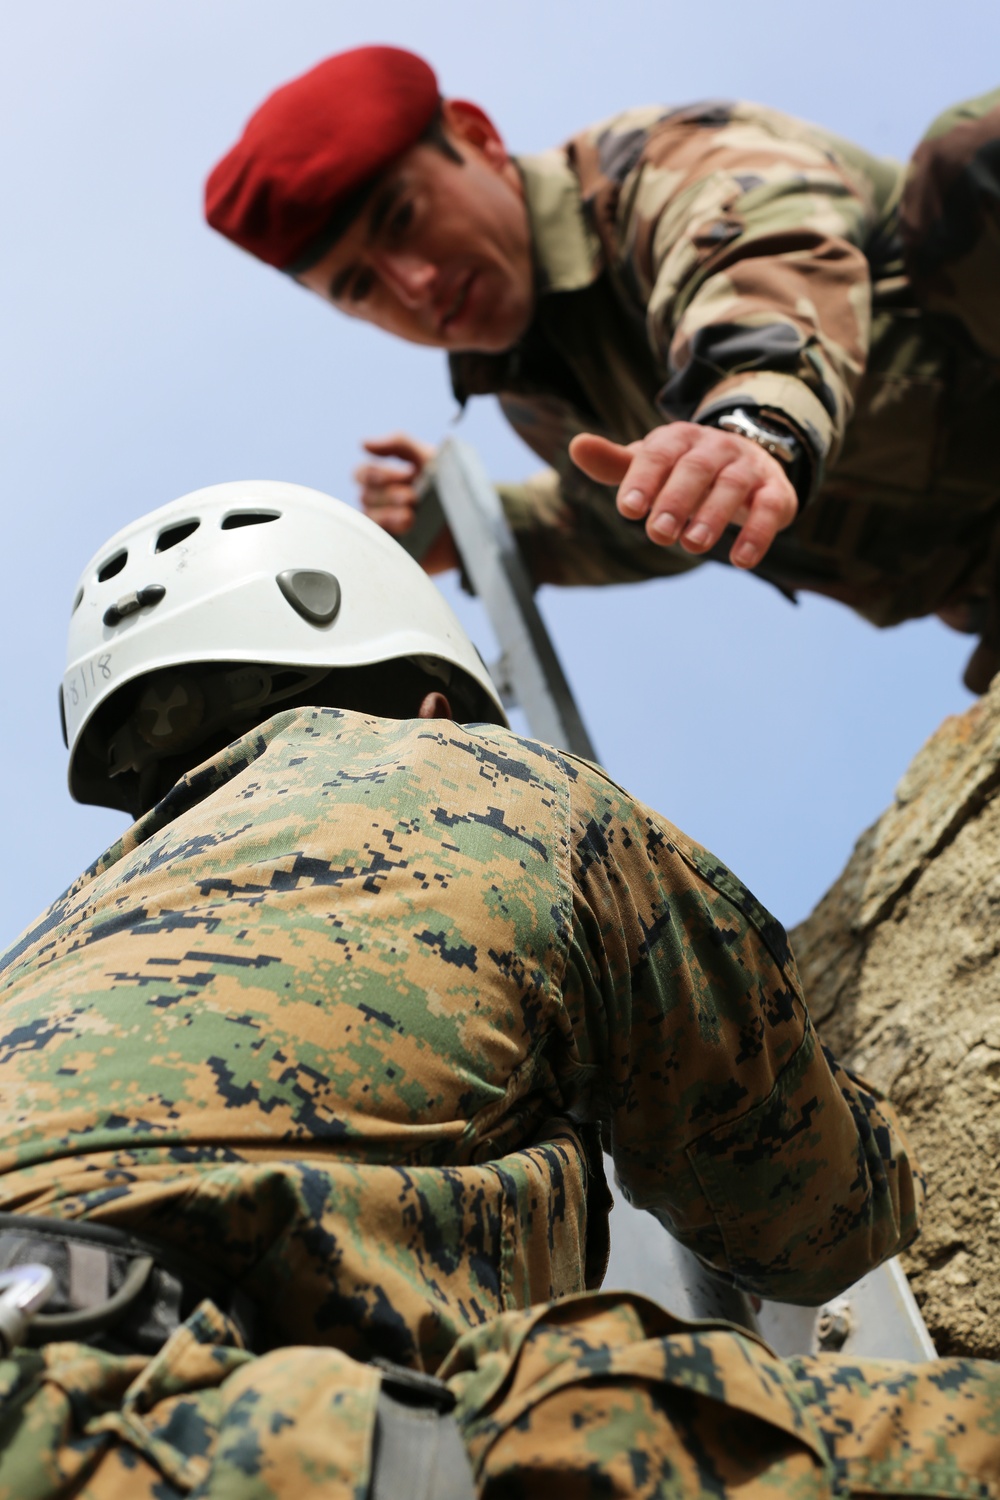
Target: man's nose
409	276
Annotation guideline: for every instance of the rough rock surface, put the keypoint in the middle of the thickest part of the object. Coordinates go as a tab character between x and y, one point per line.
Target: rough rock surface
901	965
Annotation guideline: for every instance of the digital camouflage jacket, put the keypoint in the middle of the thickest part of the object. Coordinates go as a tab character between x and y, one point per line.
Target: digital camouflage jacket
340	1014
691	260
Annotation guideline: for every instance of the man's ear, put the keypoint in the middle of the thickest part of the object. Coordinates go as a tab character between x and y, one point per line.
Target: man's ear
435	706
472	126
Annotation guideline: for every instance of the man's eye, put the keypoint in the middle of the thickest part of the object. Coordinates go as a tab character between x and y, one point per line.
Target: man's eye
401	219
361	286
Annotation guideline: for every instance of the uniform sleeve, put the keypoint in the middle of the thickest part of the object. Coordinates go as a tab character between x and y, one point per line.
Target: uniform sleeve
567	527
743	241
949	218
571	539
749	251
693	1049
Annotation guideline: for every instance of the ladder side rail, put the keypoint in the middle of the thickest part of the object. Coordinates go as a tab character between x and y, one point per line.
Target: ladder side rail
497	573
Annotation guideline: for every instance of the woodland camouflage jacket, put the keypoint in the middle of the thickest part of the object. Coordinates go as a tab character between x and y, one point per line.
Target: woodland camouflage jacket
340	1014
694	259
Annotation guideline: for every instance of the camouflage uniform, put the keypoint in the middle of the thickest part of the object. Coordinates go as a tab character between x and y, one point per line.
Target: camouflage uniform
345	1010
341	1017
595	1396
692	260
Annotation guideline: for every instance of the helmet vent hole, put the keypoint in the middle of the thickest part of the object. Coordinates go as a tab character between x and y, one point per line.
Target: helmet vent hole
248	518
173	535
77	602
112	566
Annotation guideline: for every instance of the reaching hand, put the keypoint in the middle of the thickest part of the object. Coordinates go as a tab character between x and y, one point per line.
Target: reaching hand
389	494
689	482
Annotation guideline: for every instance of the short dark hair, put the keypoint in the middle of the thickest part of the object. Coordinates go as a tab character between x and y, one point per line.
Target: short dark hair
436	135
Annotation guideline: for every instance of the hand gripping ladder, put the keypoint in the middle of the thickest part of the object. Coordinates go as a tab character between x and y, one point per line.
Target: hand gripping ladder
877	1317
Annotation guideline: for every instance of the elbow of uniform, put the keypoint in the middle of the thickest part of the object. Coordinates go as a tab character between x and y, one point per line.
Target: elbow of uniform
823	1260
850	1243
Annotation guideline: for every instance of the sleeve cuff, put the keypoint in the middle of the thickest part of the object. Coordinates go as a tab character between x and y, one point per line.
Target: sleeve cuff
790	401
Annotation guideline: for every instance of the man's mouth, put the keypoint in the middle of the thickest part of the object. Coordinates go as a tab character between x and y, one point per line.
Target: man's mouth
452	313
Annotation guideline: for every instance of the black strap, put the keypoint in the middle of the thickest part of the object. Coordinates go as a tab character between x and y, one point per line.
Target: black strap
154	1286
186	1268
82	1323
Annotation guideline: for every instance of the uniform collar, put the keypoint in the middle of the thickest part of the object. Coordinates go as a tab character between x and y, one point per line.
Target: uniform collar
567	251
567	255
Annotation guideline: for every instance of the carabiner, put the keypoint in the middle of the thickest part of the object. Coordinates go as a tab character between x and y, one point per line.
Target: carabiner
23	1290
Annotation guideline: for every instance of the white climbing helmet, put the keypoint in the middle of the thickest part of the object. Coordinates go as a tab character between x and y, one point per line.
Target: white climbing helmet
249	572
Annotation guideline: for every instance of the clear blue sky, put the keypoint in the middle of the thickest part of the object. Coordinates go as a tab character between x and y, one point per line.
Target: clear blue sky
142	357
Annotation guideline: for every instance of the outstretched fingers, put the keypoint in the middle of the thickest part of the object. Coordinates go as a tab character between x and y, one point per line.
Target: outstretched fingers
600	458
773	507
688	483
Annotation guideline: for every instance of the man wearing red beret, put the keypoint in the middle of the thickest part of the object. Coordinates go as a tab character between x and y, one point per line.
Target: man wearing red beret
738	319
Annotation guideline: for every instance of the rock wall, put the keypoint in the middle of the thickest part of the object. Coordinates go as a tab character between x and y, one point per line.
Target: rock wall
901	966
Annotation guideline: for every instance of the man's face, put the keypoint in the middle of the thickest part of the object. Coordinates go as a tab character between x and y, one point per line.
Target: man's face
441	252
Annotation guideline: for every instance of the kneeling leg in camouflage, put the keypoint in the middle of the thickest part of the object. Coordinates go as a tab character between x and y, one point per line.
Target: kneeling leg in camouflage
599	1395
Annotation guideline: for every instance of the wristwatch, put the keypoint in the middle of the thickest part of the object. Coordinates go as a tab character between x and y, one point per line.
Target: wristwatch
781	444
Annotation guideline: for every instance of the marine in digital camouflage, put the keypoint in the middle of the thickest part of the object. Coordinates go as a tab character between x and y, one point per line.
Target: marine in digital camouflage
342	1014
605	1395
690	260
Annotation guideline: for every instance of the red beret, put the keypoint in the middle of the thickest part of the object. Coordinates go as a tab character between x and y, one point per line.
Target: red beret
313	147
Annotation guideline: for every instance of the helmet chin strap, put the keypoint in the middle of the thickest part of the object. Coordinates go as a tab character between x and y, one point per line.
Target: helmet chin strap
179	709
